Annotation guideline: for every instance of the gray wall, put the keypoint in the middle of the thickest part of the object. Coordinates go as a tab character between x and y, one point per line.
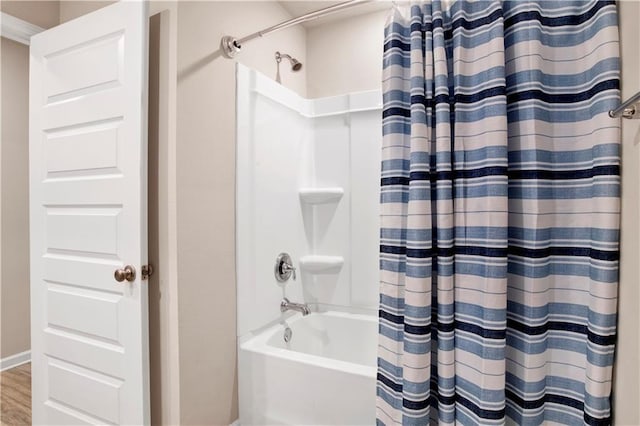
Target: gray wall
345	55
206	192
14	179
626	387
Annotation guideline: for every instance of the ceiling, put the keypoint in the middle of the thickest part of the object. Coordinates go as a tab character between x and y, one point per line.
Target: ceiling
300	7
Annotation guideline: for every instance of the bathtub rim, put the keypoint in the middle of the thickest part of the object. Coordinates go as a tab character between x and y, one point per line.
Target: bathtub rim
258	343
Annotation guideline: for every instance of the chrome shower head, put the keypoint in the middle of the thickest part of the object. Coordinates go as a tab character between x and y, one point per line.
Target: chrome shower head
296	65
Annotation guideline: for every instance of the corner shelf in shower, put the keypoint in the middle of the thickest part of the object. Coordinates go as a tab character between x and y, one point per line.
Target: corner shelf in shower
321	195
319	264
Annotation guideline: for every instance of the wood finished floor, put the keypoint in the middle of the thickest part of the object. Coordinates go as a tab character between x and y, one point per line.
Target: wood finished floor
15	401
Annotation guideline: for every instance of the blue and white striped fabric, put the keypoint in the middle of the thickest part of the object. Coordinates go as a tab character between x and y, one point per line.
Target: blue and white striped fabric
500	213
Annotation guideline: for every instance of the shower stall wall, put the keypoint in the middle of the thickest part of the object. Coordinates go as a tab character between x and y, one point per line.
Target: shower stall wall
307	185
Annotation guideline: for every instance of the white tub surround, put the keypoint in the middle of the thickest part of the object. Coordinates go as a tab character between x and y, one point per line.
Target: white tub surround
319	264
307	169
325	375
321	195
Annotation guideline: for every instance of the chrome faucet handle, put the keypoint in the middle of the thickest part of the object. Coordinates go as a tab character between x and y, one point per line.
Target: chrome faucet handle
284	268
287	267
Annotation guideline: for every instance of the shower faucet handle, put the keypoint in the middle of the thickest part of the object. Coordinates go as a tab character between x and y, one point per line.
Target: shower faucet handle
284	268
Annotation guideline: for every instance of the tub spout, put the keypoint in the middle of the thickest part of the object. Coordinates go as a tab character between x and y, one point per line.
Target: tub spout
286	305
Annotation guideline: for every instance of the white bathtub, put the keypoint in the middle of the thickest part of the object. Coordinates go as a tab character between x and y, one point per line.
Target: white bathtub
325	375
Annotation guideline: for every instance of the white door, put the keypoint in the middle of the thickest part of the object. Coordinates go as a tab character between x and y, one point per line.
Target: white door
88	152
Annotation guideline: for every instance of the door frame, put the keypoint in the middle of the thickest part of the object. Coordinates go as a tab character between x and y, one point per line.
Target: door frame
165	363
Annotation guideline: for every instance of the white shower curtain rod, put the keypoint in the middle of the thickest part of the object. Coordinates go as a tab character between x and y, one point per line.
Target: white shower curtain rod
231	46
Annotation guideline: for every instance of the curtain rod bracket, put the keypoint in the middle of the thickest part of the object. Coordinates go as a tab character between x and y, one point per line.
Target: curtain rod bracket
230	46
627	109
628	113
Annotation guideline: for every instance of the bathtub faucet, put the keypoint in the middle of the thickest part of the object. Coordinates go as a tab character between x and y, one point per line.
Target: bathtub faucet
286	305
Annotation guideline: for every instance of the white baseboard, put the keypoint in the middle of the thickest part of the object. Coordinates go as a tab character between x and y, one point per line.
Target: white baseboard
236	423
15	360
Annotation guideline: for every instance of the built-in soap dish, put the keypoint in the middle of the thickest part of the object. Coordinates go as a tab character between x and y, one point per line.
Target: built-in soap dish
321	195
319	264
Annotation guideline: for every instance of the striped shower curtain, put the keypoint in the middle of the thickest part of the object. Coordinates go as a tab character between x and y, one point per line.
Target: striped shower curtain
499	213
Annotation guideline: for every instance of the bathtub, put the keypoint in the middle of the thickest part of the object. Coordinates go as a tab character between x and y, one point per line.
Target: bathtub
325	374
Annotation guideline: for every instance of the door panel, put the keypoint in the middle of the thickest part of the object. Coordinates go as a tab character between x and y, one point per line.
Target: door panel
88	154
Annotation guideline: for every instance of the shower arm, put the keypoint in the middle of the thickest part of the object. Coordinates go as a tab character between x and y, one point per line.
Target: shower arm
627	109
231	46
